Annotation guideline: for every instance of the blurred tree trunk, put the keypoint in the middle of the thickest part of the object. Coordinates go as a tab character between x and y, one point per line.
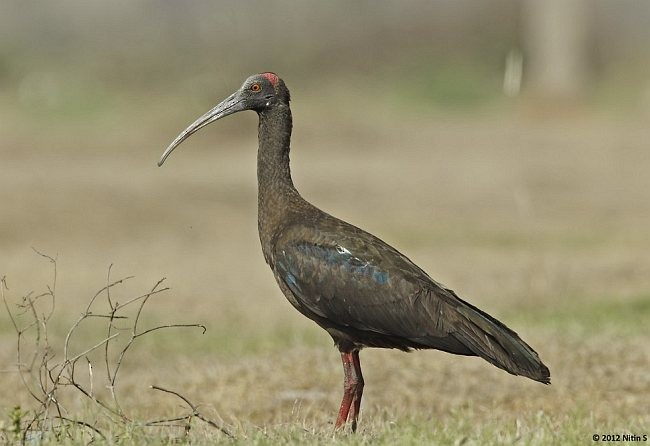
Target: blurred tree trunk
555	36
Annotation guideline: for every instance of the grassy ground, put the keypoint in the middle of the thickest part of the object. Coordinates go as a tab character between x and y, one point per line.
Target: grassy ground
542	220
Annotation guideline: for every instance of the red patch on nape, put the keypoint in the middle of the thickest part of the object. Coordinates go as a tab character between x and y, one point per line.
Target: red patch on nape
272	77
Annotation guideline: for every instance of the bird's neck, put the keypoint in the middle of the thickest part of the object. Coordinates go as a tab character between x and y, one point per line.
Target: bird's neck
273	174
277	195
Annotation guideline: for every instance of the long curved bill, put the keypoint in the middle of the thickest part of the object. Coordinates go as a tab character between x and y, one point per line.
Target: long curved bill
232	104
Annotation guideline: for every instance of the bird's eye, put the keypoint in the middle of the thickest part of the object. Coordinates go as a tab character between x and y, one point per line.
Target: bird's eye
256	87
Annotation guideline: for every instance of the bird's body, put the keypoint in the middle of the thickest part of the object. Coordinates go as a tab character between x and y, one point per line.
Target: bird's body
358	288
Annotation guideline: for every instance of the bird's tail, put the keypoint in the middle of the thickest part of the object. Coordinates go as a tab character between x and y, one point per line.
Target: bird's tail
493	341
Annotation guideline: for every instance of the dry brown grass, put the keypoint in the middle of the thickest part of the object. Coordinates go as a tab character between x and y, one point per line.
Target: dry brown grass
523	215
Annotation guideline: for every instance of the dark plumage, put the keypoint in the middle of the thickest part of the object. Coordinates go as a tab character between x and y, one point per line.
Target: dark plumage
361	290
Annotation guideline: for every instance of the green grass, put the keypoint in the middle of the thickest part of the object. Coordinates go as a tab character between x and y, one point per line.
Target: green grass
461	427
620	317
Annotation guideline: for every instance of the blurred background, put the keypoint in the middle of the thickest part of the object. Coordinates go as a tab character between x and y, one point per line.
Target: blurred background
502	145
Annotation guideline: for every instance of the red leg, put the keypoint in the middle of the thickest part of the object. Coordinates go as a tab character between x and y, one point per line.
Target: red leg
352	389
358	390
347	360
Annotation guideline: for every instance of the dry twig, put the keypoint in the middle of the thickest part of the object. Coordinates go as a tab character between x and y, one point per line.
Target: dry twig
195	413
45	379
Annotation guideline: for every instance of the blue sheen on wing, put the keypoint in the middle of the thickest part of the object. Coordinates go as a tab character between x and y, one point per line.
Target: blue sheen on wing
381	277
290	277
293	284
342	258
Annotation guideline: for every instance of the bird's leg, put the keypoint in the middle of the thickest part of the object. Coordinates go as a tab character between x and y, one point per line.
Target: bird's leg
352	389
347	360
358	390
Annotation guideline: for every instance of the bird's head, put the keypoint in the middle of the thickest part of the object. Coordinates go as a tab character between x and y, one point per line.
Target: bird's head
259	92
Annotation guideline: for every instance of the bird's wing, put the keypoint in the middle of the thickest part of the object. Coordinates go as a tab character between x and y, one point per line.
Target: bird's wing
354	279
350	277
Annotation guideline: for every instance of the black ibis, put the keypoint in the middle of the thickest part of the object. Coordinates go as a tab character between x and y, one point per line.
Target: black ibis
361	290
